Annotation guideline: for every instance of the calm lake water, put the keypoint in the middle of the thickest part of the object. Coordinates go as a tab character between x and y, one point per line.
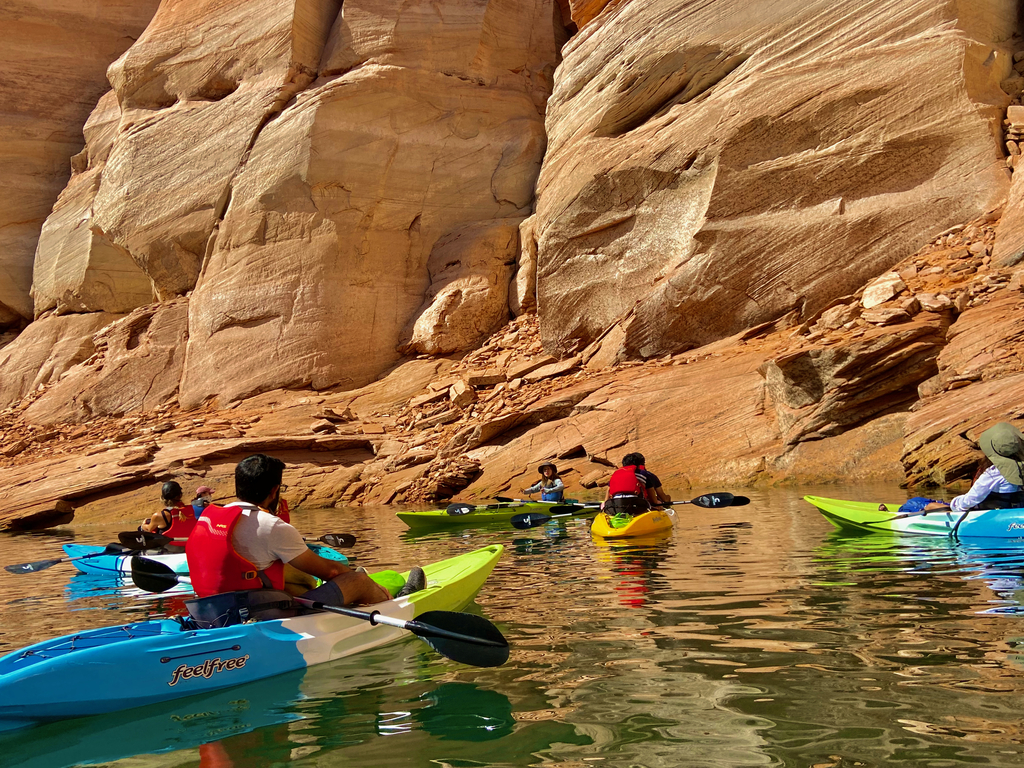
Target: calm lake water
749	636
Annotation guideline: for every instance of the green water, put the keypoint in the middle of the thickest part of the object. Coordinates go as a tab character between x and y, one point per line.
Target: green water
749	636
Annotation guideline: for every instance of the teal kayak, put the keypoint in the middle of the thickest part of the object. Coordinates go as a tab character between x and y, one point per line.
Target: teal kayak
499	512
120	566
885	517
134	665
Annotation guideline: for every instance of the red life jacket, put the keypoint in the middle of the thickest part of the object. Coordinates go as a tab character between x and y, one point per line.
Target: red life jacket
626	480
183	520
213	563
283	512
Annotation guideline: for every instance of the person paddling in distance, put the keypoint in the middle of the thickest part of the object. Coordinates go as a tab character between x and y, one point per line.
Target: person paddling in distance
244	546
633	489
176	520
1001	485
550	484
203	499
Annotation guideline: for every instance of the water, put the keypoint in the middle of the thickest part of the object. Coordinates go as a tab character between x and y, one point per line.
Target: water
750	636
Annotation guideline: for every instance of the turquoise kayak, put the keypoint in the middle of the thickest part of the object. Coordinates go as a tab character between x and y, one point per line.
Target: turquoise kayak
871	516
134	665
120	566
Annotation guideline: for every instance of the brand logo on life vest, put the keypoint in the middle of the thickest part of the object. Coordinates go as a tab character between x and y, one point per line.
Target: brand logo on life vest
207	669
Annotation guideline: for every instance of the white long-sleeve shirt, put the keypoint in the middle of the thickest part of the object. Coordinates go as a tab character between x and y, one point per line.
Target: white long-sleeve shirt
990	481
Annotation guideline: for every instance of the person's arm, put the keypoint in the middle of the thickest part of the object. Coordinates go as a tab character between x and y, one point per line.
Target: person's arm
533	488
663	497
982	487
152	524
311	563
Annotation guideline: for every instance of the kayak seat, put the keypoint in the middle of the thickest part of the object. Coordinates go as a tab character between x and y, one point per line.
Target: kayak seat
230	608
626	505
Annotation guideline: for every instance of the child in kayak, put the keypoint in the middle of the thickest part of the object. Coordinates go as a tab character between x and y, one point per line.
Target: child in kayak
550	484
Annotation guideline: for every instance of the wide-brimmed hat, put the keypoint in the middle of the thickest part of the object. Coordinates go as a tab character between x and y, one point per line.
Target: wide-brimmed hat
1003	444
203	489
540	469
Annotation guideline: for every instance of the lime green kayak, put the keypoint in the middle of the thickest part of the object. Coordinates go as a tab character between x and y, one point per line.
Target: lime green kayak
872	516
499	512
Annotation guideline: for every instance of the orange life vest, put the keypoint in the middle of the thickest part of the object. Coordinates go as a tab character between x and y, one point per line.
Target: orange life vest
625	480
213	563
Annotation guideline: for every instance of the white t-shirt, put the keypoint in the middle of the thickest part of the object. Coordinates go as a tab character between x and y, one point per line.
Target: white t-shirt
262	539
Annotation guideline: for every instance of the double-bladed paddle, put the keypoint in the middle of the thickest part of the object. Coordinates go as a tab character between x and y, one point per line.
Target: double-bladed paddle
462	637
708	501
144	540
42	565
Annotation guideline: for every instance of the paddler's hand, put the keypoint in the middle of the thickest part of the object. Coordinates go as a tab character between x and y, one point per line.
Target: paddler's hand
935	506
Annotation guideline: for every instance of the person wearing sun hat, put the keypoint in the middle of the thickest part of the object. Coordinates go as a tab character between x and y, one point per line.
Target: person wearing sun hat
550	484
1001	486
203	499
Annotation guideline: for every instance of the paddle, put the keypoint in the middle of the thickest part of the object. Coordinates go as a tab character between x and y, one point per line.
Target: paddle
708	501
462	637
145	540
42	565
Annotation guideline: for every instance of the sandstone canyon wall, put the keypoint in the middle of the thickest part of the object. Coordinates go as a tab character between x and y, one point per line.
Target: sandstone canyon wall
54	59
712	166
302	195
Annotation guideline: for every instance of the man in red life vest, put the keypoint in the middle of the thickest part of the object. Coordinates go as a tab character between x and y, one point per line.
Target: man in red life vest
633	489
243	545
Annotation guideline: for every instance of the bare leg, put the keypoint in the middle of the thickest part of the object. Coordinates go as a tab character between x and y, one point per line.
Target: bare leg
360	589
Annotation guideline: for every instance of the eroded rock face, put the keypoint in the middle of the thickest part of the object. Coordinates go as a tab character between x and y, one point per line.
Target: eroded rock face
52	70
713	166
137	367
426	122
189	99
45	350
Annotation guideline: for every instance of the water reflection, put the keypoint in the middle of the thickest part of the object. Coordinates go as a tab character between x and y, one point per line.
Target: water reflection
747	636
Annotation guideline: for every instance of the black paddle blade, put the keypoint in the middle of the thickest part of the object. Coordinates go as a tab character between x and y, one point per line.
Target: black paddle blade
39	565
338	540
459	509
529	520
151	576
505	499
714	500
739	501
136	540
462	637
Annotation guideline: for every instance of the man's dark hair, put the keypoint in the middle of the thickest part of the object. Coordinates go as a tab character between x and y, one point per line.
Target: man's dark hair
633	460
256	476
170	491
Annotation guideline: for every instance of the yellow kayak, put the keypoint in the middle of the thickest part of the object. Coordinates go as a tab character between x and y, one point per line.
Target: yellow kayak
623	526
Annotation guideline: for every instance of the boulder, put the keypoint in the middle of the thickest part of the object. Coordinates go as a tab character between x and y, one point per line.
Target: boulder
881	289
705	173
470	270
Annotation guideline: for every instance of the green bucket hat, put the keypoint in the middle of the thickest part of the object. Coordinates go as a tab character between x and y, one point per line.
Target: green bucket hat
1003	444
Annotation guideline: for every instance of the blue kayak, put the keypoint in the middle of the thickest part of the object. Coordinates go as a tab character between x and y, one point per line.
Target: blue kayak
134	665
121	565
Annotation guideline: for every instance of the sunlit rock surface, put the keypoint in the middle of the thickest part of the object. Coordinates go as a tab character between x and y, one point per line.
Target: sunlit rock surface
426	122
715	165
52	70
